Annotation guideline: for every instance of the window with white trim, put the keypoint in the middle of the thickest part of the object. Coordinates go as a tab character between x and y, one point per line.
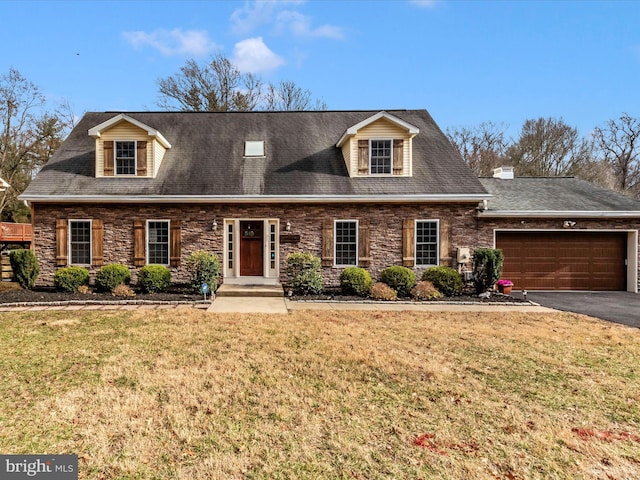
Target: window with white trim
346	242
427	242
80	242
125	158
158	242
380	156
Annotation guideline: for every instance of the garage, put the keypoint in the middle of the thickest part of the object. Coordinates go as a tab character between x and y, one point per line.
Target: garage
564	260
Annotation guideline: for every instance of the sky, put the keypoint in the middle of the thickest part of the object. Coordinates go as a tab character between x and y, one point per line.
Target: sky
466	62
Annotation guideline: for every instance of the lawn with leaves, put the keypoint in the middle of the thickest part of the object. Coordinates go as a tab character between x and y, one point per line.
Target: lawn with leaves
191	395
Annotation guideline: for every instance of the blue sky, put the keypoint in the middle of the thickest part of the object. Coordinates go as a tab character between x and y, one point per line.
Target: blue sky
464	61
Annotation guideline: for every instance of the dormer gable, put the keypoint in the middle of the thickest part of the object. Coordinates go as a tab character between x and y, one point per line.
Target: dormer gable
380	145
126	147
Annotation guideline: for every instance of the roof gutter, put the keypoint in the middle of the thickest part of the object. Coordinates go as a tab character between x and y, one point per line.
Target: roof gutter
559	214
253	198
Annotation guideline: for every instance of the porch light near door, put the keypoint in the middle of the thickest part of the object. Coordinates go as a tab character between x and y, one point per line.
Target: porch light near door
287	227
214	225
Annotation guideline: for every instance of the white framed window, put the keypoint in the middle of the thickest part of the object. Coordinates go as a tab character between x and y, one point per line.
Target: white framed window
427	242
345	235
80	242
380	156
125	157
158	242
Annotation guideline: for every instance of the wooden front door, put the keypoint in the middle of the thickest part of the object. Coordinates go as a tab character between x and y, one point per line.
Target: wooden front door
251	249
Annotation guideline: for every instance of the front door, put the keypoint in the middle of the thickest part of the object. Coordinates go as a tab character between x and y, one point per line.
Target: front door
251	249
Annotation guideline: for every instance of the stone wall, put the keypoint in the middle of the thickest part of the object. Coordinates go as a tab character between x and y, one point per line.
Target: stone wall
306	220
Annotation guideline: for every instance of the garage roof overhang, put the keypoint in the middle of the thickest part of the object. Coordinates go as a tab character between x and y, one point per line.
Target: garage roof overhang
558	214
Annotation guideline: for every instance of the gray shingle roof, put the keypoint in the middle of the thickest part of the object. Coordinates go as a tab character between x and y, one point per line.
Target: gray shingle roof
206	158
554	194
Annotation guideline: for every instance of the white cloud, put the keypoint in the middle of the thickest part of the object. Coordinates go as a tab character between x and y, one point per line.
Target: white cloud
194	43
252	55
254	14
263	12
300	26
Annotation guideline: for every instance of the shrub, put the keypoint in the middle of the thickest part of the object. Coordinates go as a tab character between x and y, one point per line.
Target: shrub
487	268
25	267
382	291
401	279
122	290
69	279
304	273
154	278
356	281
425	290
446	279
203	267
110	276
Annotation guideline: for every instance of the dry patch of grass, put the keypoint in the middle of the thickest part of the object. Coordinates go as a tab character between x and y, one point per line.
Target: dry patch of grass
151	394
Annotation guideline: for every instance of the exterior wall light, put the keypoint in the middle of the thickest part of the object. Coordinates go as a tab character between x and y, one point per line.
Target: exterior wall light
214	225
287	227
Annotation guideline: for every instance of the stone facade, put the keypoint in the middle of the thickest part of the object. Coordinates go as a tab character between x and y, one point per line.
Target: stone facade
385	234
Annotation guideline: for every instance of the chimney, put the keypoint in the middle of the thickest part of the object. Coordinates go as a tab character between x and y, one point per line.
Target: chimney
503	173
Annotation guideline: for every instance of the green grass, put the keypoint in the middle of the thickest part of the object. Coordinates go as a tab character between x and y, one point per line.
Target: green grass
166	394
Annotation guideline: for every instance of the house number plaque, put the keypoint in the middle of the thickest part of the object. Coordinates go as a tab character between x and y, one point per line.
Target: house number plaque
289	238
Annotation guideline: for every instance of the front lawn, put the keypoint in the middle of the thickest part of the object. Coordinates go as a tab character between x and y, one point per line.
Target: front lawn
149	394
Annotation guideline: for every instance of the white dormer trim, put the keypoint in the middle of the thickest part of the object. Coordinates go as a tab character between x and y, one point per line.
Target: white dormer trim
96	131
352	131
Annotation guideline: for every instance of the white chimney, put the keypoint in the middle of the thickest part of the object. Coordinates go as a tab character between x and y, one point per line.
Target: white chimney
503	173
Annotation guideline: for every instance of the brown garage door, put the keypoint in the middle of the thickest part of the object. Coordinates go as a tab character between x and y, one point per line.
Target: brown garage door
564	260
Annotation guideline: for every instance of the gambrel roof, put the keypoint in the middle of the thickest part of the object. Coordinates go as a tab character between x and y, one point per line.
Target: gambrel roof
301	160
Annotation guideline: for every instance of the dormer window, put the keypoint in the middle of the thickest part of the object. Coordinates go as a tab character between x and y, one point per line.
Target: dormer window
125	158
380	157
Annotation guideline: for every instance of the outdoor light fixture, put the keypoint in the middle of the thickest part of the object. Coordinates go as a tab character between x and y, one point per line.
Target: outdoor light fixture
214	225
287	227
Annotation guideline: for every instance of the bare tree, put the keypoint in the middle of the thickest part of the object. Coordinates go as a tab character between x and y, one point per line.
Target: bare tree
619	144
288	96
218	86
29	135
549	147
482	147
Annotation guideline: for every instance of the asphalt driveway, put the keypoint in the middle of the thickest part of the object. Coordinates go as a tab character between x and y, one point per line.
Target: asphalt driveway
619	307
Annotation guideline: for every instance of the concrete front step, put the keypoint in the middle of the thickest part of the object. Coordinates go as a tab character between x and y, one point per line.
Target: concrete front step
227	290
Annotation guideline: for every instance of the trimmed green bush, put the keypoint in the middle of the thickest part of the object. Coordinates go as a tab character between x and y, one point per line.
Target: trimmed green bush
110	276
25	267
69	279
425	290
487	268
446	279
154	278
401	279
203	267
382	291
304	273
355	281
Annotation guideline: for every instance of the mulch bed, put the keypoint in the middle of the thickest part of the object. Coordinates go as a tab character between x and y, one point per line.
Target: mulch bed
15	294
336	296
